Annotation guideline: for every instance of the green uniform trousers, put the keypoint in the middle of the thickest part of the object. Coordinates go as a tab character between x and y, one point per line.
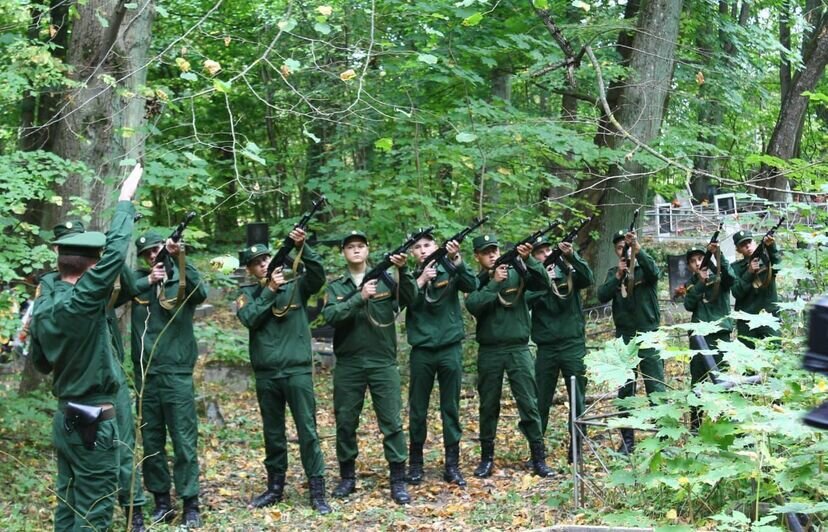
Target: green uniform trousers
446	363
564	358
296	392
169	404
698	369
130	494
517	364
651	368
87	480
350	383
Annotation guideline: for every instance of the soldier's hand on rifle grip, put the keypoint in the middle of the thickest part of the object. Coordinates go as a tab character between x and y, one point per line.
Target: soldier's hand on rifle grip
398	260
768	241
369	289
429	273
566	248
622	269
298	236
524	250
502	272
157	274
632	240
277	279
713	247
174	248
754	266
452	249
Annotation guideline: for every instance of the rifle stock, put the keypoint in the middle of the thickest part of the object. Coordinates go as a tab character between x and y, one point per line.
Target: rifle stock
626	253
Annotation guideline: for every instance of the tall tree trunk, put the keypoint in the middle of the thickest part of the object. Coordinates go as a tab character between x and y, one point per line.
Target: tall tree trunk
640	112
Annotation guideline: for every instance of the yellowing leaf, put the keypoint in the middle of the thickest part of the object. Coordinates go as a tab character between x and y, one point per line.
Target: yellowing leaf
227	41
671	514
581	5
212	67
183	64
699	78
325	11
347	75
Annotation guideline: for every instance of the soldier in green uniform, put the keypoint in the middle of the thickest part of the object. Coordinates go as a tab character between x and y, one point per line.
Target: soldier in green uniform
503	327
71	338
275	313
131	494
164	352
365	346
754	285
634	310
707	296
434	324
558	327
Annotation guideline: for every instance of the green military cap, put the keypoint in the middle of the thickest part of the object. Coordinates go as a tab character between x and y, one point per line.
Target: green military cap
742	236
249	253
67	228
148	240
695	250
619	235
86	244
428	235
352	235
540	242
484	241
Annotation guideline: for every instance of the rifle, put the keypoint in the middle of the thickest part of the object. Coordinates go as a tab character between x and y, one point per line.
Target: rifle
626	255
380	270
163	256
759	252
510	257
555	256
440	256
708	255
288	244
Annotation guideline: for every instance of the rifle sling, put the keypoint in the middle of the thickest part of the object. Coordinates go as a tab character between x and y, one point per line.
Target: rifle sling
281	312
169	304
374	321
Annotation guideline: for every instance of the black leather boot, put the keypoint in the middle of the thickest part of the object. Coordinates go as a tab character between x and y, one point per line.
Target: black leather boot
539	459
397	479
192	515
137	518
347	480
484	468
316	486
415	463
273	494
163	508
452	473
627	441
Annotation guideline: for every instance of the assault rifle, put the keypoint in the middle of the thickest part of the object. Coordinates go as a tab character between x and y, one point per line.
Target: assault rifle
288	244
380	271
708	255
441	255
163	256
555	256
759	252
510	257
626	253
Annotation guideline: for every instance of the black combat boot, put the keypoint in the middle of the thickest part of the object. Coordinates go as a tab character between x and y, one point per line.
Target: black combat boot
192	516
163	508
316	486
137	519
538	453
273	494
484	468
347	479
627	441
397	480
415	463
452	473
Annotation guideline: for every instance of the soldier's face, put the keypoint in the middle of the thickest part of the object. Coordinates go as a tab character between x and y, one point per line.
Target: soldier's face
542	252
619	248
486	257
258	266
695	262
746	248
423	248
150	254
355	252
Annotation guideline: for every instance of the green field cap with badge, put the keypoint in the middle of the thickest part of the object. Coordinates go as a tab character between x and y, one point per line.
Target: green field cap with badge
353	235
741	236
695	250
484	241
249	253
86	244
619	235
540	242
148	240
67	228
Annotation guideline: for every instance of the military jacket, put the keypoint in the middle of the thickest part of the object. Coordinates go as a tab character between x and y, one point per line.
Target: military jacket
365	334
506	325
638	312
70	332
704	303
277	321
555	318
750	298
166	344
434	319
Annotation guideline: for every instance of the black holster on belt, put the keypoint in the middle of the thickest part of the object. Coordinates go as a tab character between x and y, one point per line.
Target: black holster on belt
84	419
